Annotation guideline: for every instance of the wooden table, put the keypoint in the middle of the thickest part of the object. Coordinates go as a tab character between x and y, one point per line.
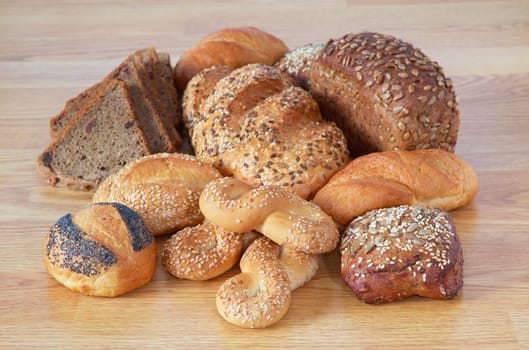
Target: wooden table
50	51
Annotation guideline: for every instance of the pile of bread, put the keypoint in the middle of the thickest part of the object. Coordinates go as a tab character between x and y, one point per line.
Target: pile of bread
293	153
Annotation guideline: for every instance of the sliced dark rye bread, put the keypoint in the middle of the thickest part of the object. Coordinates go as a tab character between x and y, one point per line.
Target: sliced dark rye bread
150	79
150	121
159	138
102	137
71	107
170	95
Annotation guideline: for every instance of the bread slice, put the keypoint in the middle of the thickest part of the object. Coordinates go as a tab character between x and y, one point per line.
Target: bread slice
150	81
151	121
169	95
71	107
102	137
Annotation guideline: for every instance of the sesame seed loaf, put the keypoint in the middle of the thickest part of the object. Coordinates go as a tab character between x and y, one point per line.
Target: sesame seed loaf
298	62
93	146
197	91
162	188
257	126
384	94
430	177
394	253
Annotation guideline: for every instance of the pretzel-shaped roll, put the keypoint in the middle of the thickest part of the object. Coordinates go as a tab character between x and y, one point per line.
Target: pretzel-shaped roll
260	295
202	252
275	212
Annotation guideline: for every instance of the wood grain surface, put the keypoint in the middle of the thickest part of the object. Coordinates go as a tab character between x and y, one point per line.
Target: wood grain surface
52	50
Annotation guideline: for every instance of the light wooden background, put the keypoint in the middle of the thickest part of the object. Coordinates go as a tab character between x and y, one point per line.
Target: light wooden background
52	50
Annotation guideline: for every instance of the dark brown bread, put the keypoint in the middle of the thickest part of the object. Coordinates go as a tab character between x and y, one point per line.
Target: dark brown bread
169	94
149	77
94	145
150	120
158	113
394	253
71	108
384	94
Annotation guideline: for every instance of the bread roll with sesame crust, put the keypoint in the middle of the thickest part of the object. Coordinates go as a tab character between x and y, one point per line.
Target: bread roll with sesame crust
102	250
393	253
253	124
431	177
260	295
384	94
163	189
233	47
202	252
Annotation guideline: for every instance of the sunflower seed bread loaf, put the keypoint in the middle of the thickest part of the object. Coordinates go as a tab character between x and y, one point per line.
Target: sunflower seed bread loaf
384	94
393	253
253	124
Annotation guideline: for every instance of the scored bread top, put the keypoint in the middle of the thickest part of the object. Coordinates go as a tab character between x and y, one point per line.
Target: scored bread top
385	94
255	125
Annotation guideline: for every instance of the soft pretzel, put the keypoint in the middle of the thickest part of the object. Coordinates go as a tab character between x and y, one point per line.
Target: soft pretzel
202	252
280	215
260	295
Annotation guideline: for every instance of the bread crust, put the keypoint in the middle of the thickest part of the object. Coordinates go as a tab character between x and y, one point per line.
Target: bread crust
102	250
393	253
384	94
163	189
233	47
255	125
430	177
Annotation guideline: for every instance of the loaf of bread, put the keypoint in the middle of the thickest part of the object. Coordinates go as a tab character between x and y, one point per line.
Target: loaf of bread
393	253
432	177
298	63
163	189
384	94
232	47
253	124
103	250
